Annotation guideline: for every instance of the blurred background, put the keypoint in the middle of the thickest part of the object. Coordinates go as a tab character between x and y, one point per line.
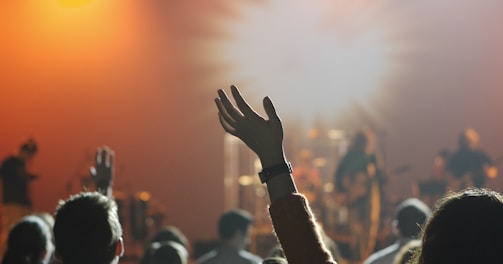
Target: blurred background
141	76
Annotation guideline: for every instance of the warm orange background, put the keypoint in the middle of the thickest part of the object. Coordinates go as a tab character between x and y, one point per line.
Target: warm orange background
135	75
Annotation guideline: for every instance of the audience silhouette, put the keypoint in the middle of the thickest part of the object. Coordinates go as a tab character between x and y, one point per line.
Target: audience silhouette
234	231
29	242
87	228
409	218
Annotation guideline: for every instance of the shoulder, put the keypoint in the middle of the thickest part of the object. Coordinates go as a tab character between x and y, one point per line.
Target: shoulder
385	255
206	258
249	256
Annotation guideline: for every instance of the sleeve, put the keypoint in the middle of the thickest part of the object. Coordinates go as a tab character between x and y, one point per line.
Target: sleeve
297	231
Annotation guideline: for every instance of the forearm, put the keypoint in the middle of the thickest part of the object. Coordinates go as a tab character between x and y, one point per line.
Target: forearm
297	231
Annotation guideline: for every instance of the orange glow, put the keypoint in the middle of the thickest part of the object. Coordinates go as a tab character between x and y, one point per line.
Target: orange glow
74	3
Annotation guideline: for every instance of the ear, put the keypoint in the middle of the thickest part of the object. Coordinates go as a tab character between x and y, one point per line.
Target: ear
119	250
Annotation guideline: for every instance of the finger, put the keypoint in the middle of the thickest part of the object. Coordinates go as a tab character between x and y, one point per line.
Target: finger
97	157
271	111
223	112
243	106
228	128
229	107
111	157
104	156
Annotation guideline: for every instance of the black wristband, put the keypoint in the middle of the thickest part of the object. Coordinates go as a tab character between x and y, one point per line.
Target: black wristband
267	173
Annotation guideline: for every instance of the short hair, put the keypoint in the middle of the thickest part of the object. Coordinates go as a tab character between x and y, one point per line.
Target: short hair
411	215
232	221
87	229
166	252
27	241
171	233
466	227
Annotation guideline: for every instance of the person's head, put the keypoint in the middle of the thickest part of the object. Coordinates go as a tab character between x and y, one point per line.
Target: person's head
171	233
234	227
28	242
28	149
87	230
410	216
469	139
466	227
167	252
364	141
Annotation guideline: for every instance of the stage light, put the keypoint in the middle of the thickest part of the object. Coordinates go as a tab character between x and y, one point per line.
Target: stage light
307	62
73	3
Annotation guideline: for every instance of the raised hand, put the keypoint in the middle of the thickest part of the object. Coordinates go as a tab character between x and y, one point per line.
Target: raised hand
264	137
103	171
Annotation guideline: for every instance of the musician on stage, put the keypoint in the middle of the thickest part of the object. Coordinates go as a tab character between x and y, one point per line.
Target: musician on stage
357	183
15	185
469	165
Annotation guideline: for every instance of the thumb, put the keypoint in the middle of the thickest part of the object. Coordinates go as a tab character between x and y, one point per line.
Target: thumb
271	113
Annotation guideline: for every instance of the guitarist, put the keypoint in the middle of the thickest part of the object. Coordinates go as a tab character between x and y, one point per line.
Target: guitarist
469	165
358	180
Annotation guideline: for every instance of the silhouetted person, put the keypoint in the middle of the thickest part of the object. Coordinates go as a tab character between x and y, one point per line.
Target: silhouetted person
167	252
29	242
87	228
410	216
166	234
15	181
469	165
466	227
234	232
358	180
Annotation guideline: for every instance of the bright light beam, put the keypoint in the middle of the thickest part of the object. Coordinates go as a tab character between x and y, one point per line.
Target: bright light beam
293	51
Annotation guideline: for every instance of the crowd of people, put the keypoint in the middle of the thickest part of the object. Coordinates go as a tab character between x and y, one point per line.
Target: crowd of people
463	227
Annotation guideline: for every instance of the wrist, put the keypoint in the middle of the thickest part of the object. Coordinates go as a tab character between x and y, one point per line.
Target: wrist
272	158
269	172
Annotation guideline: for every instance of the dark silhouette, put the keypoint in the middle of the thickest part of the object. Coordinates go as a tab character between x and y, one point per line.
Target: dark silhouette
234	231
358	180
166	234
167	252
465	228
87	228
469	165
29	242
410	215
15	177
